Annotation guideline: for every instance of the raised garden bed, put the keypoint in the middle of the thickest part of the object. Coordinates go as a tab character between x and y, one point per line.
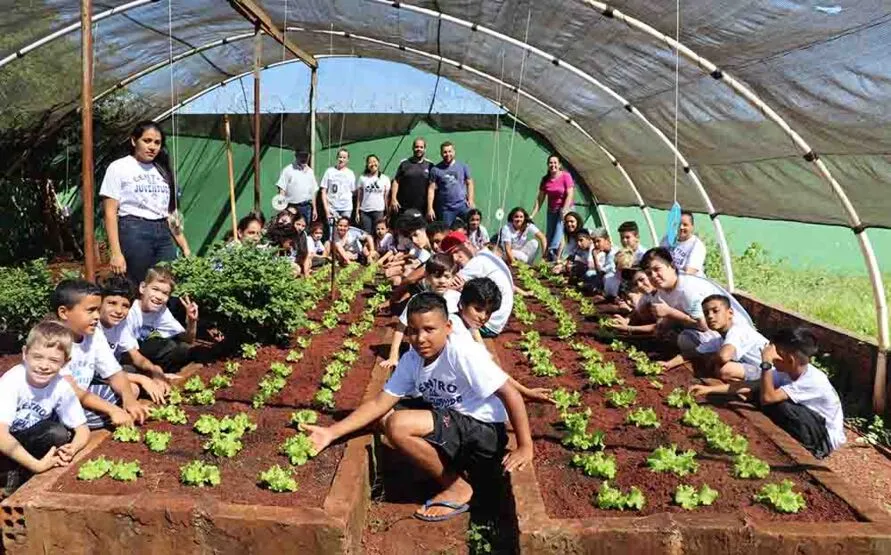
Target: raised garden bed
157	513
556	503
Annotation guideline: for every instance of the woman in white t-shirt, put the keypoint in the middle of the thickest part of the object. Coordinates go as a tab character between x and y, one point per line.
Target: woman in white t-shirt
688	255
139	202
339	186
521	238
374	188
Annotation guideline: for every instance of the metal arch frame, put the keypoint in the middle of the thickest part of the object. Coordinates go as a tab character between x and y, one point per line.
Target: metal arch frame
875	275
691	173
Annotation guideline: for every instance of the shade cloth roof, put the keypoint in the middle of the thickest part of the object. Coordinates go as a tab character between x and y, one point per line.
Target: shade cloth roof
824	69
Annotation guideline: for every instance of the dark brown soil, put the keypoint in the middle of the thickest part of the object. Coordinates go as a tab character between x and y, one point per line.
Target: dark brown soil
568	493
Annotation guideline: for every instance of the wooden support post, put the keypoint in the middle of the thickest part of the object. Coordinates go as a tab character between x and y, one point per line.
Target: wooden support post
231	176
86	118
258	49
313	88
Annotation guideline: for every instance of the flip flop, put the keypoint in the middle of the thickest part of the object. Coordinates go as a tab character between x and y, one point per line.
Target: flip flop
457	509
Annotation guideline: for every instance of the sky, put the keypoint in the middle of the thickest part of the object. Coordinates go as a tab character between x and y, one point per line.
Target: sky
345	85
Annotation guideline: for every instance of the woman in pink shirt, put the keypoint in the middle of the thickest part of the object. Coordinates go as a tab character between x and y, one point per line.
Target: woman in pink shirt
558	186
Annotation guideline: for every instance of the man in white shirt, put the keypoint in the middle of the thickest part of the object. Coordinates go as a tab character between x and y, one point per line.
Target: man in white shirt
297	183
688	255
339	186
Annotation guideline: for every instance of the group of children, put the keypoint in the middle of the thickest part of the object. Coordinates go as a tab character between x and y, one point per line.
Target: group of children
85	366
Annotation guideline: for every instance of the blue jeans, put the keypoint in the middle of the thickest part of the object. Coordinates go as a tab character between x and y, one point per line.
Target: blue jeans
554	234
144	243
304	208
449	215
368	220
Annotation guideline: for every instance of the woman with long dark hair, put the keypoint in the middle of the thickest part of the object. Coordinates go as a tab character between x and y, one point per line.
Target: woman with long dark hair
139	202
521	238
557	186
374	188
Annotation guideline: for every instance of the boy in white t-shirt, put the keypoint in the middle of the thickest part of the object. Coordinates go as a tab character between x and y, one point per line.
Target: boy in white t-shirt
339	186
793	393
459	427
38	408
162	339
629	236
92	370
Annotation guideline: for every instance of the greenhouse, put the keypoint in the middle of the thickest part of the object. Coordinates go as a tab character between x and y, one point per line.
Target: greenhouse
365	276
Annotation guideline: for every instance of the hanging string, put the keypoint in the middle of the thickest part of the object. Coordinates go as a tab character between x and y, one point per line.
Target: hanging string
677	78
494	178
330	112
174	149
281	116
510	150
352	101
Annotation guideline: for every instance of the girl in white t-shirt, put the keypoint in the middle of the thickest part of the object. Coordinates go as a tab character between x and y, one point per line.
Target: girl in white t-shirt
339	186
476	233
572	224
139	202
521	238
374	189
350	244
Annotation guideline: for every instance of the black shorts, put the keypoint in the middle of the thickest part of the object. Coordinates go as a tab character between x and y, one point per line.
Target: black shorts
469	443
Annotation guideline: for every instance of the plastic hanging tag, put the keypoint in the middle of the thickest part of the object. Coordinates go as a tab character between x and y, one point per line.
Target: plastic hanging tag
674	220
279	202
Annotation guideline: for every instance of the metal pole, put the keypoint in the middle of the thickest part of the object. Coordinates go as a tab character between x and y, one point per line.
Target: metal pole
86	118
258	48
313	88
231	166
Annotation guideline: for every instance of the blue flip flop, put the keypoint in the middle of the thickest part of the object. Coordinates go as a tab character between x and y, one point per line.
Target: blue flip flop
457	509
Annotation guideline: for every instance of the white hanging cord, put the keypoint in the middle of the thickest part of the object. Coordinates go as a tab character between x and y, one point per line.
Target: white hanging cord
331	111
496	150
677	79
510	150
352	101
281	116
174	148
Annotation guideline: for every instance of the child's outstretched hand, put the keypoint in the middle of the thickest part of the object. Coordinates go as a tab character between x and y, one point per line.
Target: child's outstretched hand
320	436
50	460
191	309
517	459
120	417
136	411
156	389
540	395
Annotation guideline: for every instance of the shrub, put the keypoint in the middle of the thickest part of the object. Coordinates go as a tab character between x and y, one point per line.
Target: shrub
24	297
249	294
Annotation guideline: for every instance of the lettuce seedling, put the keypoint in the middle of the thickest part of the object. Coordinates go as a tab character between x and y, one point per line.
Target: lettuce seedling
249	351
175	397
224	445
601	373
170	413
280	369
278	479
331	381
237	425
203	397
231	367
304	416
220	381
351	344
193	385
749	466
324	397
680	398
330	320
314	328
207	424
655	384
609	497
623	398
157	441
127	434
586	353
781	497
618	346
643	418
298	448
302	342
598	465
722	438
688	498
700	417
563	399
577	432
667	459
199	474
346	356
94	469
587	308
293	356
125	471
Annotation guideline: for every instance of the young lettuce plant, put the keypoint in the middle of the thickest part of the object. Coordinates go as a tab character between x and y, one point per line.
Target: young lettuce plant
125	471
203	397
643	418
351	345
231	367
622	399
127	434
609	497
220	381
781	497
598	465
298	448
224	445
302	342
194	385
157	441
207	424
748	466
667	459
249	351
94	469
680	398
324	397
304	416
577	435
170	413
721	437
199	474
602	373
239	424
700	417
688	498
293	356
280	369
346	356
563	399
278	479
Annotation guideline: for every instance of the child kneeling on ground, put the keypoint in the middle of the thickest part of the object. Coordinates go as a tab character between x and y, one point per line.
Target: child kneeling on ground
793	393
460	426
38	408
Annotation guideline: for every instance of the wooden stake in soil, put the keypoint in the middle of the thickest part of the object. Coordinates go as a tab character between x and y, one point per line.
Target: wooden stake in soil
258	49
231	176
86	118
333	262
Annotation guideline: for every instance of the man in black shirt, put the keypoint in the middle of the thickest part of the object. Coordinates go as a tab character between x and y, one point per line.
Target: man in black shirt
409	189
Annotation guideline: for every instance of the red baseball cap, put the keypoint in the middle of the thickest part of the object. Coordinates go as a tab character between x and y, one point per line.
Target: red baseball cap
452	241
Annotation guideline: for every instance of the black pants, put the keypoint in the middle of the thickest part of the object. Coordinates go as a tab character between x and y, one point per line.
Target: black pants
41	437
369	219
800	422
169	354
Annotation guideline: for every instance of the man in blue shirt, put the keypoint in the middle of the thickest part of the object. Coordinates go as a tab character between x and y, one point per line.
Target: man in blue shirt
450	192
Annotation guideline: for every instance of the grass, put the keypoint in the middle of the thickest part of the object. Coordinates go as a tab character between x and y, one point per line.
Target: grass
840	300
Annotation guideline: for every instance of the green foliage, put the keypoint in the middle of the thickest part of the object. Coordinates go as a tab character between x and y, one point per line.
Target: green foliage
313	328
577	435
680	398
304	416
175	397
324	398
721	437
643	418
269	386
298	448
220	381
293	356
602	373
224	445
24	296
232	367
563	399
749	466
199	474
170	413
655	384
157	441
598	465
540	356
193	385
688	498
643	366
522	312
346	356
278	479
609	497
249	294
249	350
351	345
700	417
781	497
236	426
125	471
203	397
280	369
479	538
586	352
330	320
302	342
94	469
207	424
667	459
127	434
622	398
